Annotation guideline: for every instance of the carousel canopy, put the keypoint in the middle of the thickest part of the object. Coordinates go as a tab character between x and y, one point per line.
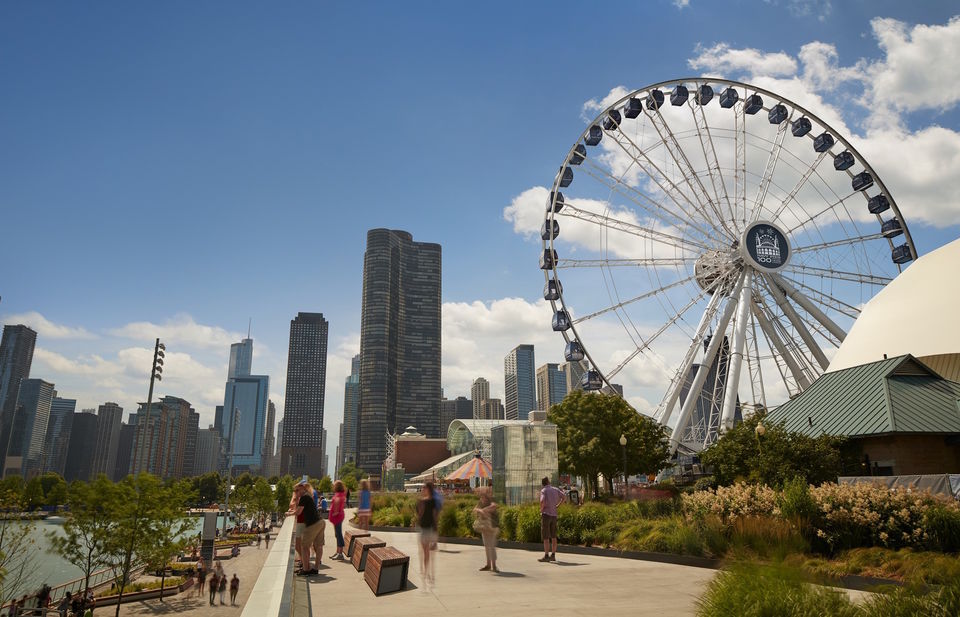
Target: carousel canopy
476	467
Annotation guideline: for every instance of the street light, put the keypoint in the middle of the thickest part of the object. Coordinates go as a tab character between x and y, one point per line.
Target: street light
623	445
156	370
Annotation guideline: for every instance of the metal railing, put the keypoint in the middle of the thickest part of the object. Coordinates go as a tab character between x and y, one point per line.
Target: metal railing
100	578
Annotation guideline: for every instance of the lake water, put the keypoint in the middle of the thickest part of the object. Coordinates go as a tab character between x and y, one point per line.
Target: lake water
50	568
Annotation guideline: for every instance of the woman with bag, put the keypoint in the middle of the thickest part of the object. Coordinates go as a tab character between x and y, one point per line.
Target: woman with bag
486	522
337	514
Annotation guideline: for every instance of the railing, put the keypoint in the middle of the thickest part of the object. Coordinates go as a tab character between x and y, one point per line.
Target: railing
100	578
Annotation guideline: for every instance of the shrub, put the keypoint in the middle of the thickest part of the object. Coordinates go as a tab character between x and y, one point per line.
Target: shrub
528	524
663	535
754	592
766	537
604	535
448	525
796	503
508	522
942	525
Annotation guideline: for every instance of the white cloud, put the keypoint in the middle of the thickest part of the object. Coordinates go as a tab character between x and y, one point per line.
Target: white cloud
681	4
46	328
721	59
180	330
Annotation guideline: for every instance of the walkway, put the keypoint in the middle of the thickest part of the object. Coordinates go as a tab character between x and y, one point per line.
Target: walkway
574	585
247	566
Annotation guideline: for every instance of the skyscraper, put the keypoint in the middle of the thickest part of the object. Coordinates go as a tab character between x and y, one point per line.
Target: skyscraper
83	435
399	342
124	451
57	439
25	449
520	392
161	444
551	386
16	356
491	410
479	392
269	455
573	373
246	395
208	451
109	420
301	448
351	408
458	409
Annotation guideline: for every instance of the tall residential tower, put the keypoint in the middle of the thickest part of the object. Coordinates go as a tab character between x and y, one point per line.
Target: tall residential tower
301	445
520	391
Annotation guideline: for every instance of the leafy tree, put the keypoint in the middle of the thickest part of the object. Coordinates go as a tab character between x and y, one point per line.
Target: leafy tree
88	526
244	480
350	470
325	485
741	454
284	492
13	486
33	494
17	550
136	506
209	488
589	426
260	499
167	527
54	489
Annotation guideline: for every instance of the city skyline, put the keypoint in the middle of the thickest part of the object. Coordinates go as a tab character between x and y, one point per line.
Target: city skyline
65	162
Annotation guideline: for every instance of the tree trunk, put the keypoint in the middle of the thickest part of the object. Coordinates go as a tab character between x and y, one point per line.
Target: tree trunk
163	576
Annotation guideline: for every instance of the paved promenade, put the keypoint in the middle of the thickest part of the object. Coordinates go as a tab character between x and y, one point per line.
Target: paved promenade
574	585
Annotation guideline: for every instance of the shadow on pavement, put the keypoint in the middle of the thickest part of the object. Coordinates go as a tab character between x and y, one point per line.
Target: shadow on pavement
510	574
567	563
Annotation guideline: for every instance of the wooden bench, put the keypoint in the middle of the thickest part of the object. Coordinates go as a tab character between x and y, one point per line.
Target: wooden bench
350	537
362	546
386	570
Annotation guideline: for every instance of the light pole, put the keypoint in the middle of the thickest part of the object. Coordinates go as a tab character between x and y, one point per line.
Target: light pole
142	460
623	446
226	501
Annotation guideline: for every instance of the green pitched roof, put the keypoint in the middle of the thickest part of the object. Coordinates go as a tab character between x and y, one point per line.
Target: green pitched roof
896	395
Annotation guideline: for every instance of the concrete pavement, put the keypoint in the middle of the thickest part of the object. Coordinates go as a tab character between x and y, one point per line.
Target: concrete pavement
574	585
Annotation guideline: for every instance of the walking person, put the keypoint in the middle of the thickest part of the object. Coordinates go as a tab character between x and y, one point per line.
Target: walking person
363	508
201	580
337	514
550	498
487	523
214	583
234	589
222	588
64	606
427	521
259	539
312	538
266	539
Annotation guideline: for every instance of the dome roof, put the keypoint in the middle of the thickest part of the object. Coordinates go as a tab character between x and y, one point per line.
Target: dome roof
916	314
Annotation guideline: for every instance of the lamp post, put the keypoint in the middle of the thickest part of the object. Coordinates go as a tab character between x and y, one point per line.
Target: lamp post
623	446
141	460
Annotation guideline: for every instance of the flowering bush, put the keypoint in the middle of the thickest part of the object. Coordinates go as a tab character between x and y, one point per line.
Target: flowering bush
730	502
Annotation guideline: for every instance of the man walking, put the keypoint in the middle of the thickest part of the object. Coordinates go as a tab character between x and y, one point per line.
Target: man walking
550	498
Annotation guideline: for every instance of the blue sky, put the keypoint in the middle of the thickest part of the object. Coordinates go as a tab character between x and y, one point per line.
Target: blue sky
173	169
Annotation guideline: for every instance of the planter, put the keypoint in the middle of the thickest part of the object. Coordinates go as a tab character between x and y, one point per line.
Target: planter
149	594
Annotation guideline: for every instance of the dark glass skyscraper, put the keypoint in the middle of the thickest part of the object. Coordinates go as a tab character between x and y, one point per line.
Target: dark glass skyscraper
301	446
399	342
16	356
520	390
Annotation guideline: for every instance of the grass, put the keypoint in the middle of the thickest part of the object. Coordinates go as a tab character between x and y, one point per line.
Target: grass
905	565
171	581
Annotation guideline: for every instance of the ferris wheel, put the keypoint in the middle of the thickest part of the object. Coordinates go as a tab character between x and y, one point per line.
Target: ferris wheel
707	244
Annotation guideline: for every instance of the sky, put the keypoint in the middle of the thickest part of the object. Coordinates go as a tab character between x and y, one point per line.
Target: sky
181	170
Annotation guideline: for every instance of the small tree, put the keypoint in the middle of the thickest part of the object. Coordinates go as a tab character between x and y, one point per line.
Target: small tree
88	526
33	494
589	426
325	485
261	499
740	454
137	502
17	550
167	528
284	492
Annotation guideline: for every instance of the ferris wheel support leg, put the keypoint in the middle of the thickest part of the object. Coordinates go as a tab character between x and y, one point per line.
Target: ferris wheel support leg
693	394
797	323
677	385
809	307
732	382
778	344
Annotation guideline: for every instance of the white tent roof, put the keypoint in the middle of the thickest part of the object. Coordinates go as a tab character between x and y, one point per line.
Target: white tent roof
916	313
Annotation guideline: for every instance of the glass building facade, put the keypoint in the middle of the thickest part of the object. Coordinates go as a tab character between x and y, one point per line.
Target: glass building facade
520	390
523	453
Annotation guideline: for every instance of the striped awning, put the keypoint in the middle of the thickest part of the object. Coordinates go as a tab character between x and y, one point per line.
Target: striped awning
474	468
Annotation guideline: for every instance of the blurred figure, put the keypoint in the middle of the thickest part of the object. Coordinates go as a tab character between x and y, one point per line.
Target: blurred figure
363	508
427	521
487	523
337	514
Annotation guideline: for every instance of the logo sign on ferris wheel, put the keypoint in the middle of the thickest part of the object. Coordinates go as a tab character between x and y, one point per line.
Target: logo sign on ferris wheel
765	246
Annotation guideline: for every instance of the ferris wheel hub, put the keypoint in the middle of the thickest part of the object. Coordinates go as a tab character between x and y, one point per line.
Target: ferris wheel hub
716	264
764	246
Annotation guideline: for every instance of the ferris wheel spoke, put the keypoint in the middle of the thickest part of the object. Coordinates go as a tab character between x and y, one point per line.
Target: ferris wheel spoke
735	359
792	195
777	345
653	337
740	160
610	222
754	368
797	322
809	306
855	277
690	176
638	198
644	296
769	169
831	207
834	243
710	156
663	182
826	299
656	262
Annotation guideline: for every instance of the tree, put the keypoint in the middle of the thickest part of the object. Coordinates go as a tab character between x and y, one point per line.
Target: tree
88	526
589	426
348	470
325	485
33	494
740	454
167	527
54	489
17	550
284	492
261	499
209	488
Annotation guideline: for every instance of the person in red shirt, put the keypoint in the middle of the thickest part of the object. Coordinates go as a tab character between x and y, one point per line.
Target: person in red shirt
337	514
